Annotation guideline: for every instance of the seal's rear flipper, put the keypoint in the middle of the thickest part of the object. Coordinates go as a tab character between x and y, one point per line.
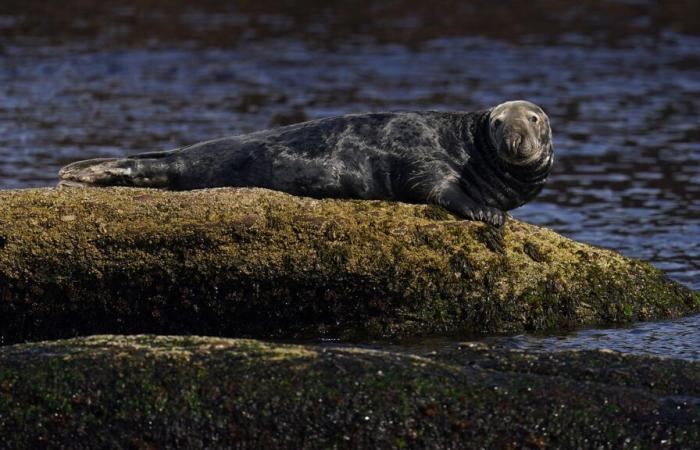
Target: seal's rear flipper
142	171
66	184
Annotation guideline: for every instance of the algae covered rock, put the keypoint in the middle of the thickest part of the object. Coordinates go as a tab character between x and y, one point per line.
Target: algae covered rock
192	392
253	262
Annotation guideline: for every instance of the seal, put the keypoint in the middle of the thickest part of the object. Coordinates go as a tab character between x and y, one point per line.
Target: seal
477	165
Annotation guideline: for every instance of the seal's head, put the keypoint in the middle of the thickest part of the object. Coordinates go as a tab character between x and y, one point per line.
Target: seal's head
520	132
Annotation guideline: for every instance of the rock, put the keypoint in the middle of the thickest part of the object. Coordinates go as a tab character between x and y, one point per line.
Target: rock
193	392
258	263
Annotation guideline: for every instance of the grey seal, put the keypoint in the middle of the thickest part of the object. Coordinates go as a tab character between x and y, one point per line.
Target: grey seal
477	165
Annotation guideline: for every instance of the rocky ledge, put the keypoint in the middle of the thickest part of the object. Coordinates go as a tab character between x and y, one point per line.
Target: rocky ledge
258	263
192	392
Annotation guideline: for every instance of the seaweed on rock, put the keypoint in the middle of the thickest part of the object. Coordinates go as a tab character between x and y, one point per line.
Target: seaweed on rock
254	262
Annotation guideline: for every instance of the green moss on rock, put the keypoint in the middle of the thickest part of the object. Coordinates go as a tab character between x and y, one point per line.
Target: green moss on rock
253	262
192	392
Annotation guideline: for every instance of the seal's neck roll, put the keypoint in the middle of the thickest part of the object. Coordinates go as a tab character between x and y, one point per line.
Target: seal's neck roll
491	180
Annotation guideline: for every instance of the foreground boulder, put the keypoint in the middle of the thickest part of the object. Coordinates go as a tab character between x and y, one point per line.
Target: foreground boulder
253	262
191	392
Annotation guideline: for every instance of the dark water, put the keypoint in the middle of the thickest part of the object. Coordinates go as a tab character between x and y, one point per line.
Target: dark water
621	85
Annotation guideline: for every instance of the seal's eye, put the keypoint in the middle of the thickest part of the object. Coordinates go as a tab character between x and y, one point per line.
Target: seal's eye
533	119
497	123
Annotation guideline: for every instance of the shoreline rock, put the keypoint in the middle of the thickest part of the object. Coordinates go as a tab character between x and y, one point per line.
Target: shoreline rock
259	263
194	392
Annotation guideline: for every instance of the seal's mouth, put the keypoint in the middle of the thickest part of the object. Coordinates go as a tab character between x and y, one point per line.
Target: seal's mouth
520	149
514	145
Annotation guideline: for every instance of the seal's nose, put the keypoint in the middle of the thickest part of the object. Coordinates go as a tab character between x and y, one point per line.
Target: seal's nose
516	143
513	141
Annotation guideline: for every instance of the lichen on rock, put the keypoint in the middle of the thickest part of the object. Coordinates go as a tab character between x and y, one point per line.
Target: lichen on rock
259	263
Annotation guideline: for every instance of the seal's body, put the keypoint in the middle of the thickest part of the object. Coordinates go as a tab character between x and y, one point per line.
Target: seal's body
477	164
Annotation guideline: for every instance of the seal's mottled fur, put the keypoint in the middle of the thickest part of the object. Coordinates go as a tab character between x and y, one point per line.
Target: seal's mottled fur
476	164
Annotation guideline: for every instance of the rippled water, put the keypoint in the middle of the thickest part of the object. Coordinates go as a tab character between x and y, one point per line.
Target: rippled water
678	338
625	113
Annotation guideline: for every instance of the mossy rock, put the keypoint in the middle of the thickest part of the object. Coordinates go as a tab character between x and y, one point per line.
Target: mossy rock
191	392
259	263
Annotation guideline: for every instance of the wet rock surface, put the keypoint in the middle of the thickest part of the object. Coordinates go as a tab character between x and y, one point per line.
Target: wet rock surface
176	392
253	262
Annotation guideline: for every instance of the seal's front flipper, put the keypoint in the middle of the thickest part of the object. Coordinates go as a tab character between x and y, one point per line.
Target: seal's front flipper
140	172
456	200
487	214
492	216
